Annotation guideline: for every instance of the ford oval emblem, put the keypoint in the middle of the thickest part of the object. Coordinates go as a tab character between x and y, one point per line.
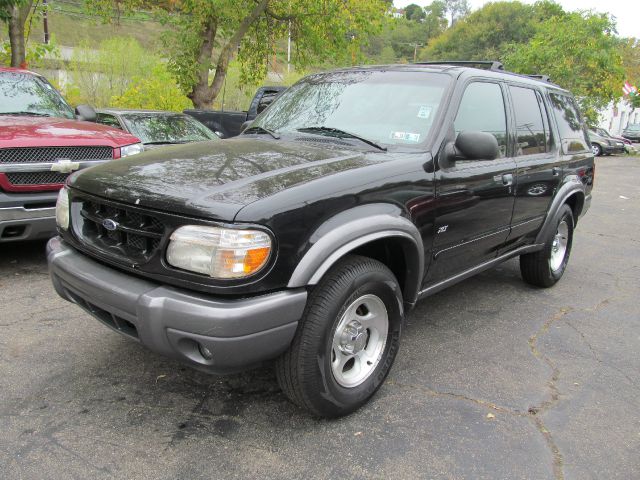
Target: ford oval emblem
109	224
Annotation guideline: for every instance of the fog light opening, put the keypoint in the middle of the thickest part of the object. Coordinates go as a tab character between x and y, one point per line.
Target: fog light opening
205	352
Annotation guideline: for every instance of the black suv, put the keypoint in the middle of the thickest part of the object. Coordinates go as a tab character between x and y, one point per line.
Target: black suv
308	238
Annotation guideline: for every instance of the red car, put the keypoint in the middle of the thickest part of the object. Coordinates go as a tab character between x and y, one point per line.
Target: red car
42	142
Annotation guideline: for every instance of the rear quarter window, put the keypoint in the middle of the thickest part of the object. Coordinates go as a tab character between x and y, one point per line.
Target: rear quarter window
573	135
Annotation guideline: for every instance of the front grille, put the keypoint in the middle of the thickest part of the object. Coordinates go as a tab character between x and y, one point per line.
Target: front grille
53	154
134	235
36	178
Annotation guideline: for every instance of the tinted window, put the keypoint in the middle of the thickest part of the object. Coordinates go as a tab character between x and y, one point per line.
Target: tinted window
482	108
530	131
569	122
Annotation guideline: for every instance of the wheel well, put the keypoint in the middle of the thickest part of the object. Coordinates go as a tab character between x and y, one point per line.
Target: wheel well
389	251
576	202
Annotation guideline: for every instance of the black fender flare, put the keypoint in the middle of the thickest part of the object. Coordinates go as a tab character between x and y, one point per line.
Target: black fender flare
354	228
571	186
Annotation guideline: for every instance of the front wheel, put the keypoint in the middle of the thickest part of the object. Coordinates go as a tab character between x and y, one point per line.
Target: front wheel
545	268
347	339
596	149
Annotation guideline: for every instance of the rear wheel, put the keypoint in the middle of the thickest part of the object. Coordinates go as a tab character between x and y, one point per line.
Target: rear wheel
347	339
545	268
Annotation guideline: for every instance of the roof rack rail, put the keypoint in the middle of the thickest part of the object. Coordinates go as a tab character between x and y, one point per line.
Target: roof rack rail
542	78
488	64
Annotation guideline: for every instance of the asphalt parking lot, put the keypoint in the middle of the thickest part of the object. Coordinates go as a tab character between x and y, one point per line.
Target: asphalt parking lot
495	380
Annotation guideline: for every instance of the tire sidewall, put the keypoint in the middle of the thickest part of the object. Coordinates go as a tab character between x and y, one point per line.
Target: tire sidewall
386	288
566	215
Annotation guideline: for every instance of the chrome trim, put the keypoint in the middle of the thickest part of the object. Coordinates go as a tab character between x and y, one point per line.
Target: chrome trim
21	213
43	167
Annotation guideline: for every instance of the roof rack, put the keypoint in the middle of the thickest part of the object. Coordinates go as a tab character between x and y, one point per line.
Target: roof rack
542	78
487	64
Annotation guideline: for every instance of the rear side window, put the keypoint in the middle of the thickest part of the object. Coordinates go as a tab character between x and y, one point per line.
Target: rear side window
482	109
572	133
530	125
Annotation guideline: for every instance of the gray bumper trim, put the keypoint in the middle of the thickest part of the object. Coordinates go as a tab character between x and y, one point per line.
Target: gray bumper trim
171	321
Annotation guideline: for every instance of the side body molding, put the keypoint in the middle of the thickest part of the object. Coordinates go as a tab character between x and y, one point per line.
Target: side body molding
571	186
353	228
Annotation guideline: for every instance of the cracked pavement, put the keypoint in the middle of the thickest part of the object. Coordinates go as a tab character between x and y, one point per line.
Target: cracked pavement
494	380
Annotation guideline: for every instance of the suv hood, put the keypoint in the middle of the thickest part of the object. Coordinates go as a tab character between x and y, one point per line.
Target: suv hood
213	179
28	131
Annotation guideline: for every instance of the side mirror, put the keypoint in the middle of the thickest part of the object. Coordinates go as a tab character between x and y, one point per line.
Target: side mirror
476	145
86	113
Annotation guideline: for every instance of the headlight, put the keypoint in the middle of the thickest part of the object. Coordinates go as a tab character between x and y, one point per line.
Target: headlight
62	209
219	252
131	150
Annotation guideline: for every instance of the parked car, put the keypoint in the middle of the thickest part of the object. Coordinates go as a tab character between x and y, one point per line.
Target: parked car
628	144
155	128
41	143
229	124
601	145
632	132
309	237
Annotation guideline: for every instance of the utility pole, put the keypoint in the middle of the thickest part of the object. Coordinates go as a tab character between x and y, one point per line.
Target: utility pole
289	49
415	49
45	21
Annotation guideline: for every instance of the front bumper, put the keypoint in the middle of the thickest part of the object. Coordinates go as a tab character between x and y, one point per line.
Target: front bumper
27	216
240	333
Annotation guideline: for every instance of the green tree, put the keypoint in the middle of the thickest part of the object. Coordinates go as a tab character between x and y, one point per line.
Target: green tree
156	90
580	52
15	13
98	75
414	12
206	36
457	9
488	33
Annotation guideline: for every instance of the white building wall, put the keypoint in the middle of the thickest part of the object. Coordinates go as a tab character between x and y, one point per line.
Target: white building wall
616	117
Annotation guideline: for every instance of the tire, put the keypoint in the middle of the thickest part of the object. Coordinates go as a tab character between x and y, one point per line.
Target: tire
545	268
596	149
333	379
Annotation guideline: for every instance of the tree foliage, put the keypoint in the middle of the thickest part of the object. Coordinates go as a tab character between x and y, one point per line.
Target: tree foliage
15	13
488	33
398	37
205	36
580	52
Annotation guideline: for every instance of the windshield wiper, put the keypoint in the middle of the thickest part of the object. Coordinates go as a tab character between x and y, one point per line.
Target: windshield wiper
167	142
258	129
340	134
27	113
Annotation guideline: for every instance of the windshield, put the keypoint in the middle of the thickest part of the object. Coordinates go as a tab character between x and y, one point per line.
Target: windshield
24	94
634	127
385	107
159	128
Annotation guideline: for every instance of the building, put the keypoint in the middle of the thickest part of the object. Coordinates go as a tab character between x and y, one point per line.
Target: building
616	117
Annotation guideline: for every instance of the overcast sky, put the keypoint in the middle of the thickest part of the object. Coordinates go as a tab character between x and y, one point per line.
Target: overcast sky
627	12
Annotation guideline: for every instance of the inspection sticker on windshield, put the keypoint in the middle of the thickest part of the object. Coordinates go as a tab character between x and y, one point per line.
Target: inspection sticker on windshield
424	112
406	136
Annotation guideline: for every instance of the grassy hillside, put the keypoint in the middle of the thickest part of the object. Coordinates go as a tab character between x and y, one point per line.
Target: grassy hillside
69	26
